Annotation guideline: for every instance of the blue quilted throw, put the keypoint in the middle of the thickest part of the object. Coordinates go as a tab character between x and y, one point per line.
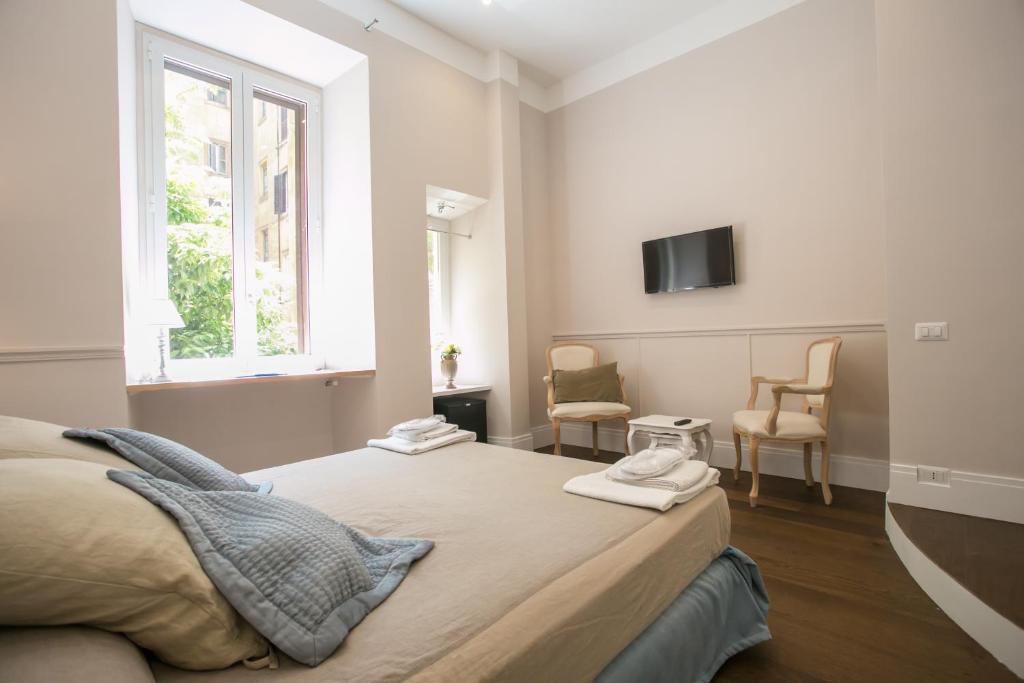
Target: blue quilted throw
299	577
168	459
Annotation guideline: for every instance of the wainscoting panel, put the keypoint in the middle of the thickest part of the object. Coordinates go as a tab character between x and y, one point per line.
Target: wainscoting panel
694	376
84	392
860	398
705	372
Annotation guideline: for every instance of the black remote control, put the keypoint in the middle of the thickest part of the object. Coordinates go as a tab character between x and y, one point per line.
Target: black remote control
684	421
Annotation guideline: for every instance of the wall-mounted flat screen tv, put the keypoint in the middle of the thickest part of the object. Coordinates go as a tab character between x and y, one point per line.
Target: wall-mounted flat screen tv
690	261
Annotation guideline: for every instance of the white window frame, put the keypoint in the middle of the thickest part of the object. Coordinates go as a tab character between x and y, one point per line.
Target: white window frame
153	226
442	232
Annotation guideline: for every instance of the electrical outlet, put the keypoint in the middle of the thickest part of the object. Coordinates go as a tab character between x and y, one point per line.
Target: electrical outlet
937	476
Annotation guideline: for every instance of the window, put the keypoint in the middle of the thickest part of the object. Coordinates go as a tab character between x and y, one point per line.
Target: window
217	157
264	179
217	95
438	283
284	122
238	261
281	192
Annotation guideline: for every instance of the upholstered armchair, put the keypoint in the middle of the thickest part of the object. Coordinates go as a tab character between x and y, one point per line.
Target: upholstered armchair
794	427
576	356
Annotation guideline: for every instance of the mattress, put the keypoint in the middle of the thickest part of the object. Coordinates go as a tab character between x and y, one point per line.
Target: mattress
525	582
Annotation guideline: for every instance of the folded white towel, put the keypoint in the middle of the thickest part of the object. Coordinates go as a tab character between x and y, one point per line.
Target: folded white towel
393	443
432	433
684	475
599	486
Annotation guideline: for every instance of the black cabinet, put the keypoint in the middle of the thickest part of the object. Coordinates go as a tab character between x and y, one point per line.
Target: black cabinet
469	413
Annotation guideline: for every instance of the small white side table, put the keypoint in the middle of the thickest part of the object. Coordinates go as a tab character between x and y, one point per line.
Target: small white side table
698	430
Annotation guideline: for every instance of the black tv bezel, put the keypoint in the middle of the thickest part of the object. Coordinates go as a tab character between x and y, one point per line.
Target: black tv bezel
732	262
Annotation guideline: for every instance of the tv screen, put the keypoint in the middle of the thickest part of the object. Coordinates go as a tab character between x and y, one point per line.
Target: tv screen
696	259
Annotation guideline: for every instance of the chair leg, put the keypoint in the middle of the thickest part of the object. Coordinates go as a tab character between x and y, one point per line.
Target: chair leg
754	444
556	427
593	438
625	435
825	490
808	472
738	442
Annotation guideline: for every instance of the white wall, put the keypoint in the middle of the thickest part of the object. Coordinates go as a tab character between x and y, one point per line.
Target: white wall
951	78
537	243
773	130
61	280
410	147
60	214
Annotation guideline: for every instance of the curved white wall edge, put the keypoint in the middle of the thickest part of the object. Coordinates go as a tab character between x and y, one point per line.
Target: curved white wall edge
994	632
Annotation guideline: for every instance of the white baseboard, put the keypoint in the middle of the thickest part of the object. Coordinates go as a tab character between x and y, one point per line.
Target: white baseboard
523	442
846	470
994	632
968	493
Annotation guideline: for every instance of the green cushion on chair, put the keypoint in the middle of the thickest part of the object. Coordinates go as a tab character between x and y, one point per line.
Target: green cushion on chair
600	383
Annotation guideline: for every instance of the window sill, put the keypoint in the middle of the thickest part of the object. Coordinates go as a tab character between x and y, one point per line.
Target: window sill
325	375
464	389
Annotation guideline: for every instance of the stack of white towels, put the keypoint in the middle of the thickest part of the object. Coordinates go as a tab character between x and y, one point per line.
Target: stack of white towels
421	435
657	477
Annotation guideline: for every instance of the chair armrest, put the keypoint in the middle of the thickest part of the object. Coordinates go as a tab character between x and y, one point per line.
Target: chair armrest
776	380
757	380
800	389
622	388
551	391
771	426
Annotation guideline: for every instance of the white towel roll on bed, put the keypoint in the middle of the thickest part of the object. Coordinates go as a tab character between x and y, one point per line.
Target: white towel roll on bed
681	477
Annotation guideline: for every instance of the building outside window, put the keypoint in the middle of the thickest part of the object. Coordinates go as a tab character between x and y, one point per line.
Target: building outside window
283	125
438	285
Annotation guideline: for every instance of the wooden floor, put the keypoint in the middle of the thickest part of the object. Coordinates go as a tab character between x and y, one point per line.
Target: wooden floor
843	606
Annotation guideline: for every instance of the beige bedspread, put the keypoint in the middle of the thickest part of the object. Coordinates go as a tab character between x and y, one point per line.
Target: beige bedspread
525	582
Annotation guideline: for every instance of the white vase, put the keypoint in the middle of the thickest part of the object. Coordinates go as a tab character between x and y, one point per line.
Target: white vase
449	367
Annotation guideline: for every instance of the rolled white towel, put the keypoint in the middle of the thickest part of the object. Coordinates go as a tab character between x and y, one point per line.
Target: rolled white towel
432	433
680	478
649	462
418	425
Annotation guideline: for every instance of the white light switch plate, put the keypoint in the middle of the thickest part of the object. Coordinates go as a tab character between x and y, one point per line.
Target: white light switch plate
931	331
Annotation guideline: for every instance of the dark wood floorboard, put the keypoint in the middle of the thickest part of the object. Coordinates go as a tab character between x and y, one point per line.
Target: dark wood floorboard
844	609
985	556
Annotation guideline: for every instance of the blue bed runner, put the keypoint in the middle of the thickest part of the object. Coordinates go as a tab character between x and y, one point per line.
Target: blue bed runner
724	611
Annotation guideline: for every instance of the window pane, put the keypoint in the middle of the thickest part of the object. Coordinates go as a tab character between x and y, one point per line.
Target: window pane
437	331
280	225
198	164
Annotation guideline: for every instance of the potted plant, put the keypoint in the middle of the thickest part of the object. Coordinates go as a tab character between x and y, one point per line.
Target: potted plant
450	364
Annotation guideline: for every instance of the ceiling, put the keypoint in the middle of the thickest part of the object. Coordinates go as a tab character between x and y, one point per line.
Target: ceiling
554	39
450	204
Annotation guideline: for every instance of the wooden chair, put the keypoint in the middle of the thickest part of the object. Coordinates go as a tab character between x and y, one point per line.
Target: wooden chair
576	356
793	427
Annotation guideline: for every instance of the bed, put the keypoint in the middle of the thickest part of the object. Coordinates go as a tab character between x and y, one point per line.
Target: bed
525	583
